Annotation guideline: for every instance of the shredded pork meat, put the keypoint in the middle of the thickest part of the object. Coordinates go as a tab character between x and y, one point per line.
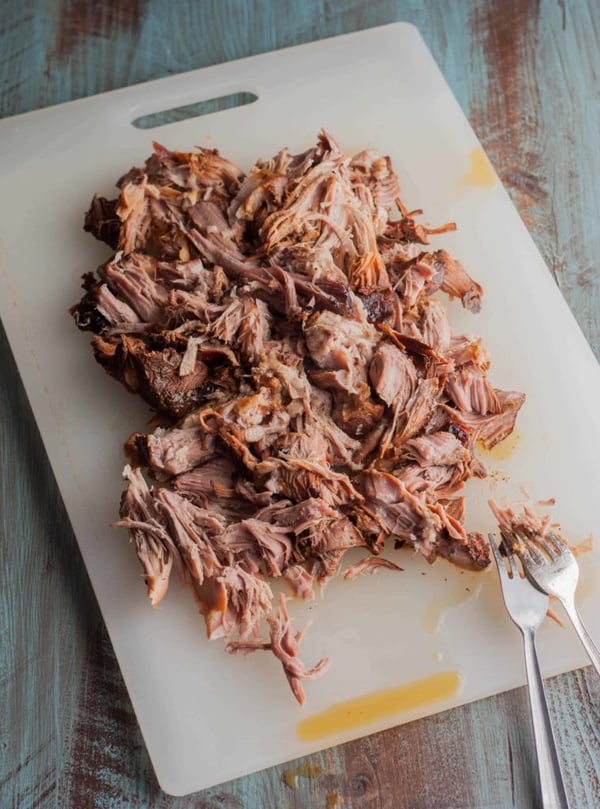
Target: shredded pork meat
313	396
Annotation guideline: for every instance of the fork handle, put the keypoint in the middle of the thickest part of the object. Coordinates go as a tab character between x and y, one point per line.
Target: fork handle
553	791
584	635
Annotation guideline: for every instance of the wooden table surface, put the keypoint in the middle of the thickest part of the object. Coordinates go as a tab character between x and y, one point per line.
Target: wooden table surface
527	75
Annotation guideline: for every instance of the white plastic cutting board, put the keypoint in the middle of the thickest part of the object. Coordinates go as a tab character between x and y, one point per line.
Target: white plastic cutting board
207	717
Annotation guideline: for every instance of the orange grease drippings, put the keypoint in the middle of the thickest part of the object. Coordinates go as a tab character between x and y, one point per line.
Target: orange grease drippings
480	171
333	799
290	777
378	705
503	450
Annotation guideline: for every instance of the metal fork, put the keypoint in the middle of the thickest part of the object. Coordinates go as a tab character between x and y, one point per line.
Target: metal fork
550	565
527	608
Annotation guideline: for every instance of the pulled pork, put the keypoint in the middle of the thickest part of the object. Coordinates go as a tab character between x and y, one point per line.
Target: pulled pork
313	395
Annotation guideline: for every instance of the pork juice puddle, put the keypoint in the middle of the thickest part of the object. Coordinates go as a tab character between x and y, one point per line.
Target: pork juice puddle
481	171
378	705
455	592
503	450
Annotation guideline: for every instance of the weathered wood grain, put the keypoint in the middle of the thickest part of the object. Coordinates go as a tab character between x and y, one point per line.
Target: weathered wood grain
46	609
536	122
527	76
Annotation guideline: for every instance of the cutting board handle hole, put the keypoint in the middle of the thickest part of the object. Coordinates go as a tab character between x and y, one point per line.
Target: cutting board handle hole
155	119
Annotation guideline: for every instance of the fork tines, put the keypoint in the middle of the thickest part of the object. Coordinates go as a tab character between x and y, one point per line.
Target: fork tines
559	544
536	548
502	551
507	557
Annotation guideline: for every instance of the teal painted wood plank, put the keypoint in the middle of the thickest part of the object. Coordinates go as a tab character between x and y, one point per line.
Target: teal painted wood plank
526	74
46	606
537	122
